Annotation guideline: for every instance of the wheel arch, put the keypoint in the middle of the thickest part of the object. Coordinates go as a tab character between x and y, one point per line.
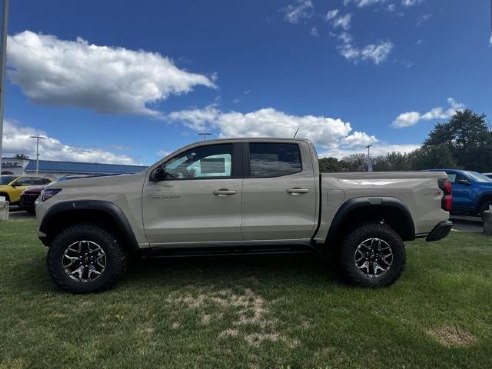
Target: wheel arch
484	198
97	212
355	211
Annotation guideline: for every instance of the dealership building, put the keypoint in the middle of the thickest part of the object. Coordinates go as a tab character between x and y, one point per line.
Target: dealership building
56	169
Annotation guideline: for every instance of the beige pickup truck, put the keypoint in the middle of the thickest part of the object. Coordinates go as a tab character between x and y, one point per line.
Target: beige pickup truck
238	196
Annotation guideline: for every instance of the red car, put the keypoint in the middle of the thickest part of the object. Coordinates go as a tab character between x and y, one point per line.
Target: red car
29	196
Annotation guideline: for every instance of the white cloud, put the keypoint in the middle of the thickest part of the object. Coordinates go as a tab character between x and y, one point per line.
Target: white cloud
323	131
378	149
490	39
106	79
410	2
331	14
409	119
163	153
423	18
345	37
362	3
358	139
338	21
304	9
314	31
376	53
16	140
342	21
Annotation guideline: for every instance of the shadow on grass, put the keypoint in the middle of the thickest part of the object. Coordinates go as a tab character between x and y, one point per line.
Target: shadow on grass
300	271
303	268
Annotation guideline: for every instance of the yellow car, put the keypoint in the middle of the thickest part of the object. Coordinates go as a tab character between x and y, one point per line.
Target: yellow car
12	186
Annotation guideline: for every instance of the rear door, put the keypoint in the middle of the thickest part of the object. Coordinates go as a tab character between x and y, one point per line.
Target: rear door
200	198
279	192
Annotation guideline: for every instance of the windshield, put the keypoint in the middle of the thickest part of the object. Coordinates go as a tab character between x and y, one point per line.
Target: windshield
4	180
477	177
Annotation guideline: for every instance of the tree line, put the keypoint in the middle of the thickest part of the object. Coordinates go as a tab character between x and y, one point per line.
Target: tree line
464	142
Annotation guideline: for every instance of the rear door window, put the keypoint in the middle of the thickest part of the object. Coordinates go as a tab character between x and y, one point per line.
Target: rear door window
274	159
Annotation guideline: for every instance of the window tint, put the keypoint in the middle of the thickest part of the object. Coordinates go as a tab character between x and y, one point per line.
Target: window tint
39	181
451	177
202	162
274	159
26	181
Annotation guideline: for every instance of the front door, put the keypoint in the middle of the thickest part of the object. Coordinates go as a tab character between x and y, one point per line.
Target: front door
198	199
462	192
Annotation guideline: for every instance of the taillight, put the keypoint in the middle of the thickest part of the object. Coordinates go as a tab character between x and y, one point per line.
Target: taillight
447	199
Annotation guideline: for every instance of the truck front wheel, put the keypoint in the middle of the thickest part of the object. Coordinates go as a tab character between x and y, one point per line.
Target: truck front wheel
372	255
85	258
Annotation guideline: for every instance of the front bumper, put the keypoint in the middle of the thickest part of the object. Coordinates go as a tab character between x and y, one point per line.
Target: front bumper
440	231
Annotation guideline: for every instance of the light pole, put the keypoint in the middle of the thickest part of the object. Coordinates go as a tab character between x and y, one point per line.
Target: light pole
5	19
369	164
37	151
204	135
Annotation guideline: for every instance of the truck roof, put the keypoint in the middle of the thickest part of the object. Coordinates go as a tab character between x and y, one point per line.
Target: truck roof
253	139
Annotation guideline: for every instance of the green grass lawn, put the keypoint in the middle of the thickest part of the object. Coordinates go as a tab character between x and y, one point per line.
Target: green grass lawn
251	312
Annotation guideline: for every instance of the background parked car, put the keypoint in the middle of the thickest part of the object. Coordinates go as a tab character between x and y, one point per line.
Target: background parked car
29	196
12	186
472	191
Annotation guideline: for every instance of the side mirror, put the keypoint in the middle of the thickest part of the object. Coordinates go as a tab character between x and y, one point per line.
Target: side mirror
157	175
160	174
14	185
463	181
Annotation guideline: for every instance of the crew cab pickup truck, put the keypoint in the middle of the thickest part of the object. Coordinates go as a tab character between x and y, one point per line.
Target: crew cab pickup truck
472	191
239	196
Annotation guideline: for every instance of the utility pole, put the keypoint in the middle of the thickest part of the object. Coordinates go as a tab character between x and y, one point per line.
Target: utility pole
369	164
204	135
5	24
37	151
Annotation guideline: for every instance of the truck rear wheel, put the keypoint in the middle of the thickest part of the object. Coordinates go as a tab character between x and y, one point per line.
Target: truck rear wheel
85	258
372	255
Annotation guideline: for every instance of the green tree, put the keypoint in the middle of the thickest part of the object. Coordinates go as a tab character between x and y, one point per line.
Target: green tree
329	165
467	138
21	156
431	157
354	163
394	161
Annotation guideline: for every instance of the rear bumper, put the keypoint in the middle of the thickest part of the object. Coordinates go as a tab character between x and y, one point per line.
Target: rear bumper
440	231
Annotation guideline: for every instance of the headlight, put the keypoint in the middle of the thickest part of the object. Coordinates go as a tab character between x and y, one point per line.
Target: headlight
48	193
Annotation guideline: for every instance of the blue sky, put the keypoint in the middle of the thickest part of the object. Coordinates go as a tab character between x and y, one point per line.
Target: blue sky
126	82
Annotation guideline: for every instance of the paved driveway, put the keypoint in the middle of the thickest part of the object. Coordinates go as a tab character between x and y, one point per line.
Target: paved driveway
467	224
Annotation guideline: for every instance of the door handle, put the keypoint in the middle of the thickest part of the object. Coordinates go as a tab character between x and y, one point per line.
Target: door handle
297	191
224	192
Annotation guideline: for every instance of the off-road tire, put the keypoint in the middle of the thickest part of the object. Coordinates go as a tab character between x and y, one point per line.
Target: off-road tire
483	207
360	235
115	258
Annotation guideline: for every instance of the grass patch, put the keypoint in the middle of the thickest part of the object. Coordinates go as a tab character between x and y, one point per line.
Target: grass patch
268	312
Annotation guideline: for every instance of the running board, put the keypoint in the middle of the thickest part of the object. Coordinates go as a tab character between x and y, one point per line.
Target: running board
227	251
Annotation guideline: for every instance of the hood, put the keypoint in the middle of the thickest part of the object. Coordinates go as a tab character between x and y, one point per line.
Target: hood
34	189
89	182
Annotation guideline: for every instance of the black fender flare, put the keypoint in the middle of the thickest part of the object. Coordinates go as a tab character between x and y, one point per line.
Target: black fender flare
365	202
106	207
